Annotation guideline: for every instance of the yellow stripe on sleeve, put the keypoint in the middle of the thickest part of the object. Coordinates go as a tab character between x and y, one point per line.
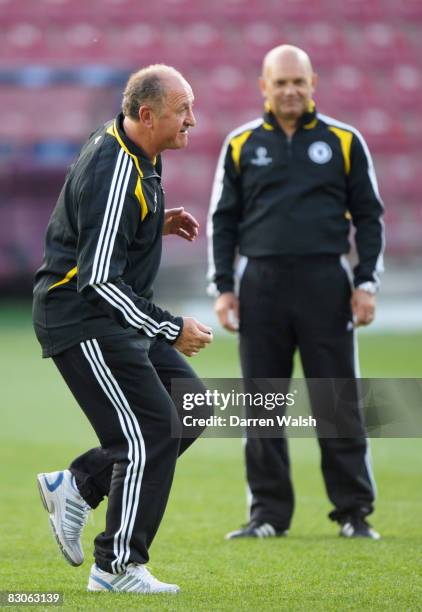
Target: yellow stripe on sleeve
66	279
124	147
345	138
237	144
141	199
139	194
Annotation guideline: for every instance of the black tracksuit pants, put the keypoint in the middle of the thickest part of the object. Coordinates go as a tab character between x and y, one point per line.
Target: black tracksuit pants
122	383
301	302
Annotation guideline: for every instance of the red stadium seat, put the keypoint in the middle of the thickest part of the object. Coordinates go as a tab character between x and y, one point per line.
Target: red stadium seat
412	127
62	5
179	11
395	229
231	89
82	42
187	178
203	44
405	88
205	137
382	45
23	43
137	44
255	39
126	11
383	131
349	88
403	177
66	11
298	10
408	236
61	113
240	11
15	124
325	44
407	9
357	10
8	13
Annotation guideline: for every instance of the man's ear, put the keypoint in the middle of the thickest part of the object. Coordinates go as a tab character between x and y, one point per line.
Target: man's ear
261	84
314	80
146	116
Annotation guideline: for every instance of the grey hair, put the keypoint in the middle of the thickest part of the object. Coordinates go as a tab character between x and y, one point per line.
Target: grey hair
147	86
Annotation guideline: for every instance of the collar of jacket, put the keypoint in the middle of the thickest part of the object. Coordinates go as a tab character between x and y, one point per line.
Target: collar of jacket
144	165
307	121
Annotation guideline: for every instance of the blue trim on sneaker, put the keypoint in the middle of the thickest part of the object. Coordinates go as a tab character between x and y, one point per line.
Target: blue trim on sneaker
52	487
102	582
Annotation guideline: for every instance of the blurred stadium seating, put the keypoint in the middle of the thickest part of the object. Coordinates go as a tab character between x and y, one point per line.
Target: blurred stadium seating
63	64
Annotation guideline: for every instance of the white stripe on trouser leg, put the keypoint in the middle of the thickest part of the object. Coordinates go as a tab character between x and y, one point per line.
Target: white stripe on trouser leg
249	496
136	452
129	516
133	477
368	462
105	385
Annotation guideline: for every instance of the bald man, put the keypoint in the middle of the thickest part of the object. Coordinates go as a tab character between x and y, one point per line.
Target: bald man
287	188
116	350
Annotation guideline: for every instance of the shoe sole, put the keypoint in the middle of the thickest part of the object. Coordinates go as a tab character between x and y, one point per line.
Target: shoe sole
97	586
44	501
283	534
133	592
360	537
152	594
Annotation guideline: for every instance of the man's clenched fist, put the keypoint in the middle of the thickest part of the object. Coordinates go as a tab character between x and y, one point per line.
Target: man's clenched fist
194	337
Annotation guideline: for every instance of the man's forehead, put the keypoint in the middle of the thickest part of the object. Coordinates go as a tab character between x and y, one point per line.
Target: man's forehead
180	94
287	68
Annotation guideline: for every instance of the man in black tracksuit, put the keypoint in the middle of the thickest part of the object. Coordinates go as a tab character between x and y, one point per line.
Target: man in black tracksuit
114	347
287	187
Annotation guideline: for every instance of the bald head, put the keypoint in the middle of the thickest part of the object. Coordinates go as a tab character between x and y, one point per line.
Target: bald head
150	86
287	84
287	56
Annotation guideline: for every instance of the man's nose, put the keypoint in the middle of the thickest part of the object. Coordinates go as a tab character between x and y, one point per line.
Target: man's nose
191	119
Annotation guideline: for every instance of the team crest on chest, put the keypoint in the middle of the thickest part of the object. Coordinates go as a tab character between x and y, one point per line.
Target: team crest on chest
261	157
320	152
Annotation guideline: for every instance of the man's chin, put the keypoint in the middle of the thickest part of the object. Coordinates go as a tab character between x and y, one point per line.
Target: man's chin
180	142
294	112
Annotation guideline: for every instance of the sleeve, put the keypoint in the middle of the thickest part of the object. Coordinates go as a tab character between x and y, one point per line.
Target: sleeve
366	208
223	221
108	217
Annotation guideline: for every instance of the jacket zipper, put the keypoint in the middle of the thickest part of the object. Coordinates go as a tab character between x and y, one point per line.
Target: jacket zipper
289	147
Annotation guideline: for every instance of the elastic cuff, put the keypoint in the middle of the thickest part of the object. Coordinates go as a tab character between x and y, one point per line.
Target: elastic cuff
90	494
360	511
178	321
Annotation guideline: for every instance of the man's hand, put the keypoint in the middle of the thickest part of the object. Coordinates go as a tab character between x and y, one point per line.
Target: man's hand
194	337
181	223
227	309
363	307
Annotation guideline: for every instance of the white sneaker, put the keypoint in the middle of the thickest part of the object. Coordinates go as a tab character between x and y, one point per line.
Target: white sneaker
68	512
136	579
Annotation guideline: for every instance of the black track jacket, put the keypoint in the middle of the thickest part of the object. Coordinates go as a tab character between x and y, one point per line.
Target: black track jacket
276	196
103	248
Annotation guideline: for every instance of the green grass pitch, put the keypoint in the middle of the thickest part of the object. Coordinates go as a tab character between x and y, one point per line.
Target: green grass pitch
42	429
